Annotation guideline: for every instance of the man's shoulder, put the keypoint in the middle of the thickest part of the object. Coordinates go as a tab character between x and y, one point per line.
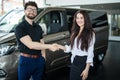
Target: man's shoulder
20	25
22	22
36	24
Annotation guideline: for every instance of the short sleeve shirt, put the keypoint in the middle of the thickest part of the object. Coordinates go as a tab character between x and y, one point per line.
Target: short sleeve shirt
34	31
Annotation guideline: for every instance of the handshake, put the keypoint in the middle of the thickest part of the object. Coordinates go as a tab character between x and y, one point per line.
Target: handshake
55	47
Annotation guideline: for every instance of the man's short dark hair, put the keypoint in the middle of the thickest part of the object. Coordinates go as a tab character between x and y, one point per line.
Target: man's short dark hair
30	3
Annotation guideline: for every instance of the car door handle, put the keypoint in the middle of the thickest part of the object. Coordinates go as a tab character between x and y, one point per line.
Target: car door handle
64	43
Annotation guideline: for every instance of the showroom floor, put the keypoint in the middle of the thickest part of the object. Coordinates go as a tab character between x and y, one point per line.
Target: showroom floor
111	63
108	70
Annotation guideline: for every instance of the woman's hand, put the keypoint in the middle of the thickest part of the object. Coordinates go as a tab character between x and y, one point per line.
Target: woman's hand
84	74
61	47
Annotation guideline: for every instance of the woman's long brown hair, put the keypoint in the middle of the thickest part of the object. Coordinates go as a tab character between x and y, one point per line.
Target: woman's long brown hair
87	33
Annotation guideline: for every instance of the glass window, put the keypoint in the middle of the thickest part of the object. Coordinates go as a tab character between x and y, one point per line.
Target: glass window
70	14
9	22
98	19
51	22
115	25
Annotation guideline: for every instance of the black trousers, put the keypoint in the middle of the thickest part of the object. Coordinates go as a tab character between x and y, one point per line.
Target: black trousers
77	67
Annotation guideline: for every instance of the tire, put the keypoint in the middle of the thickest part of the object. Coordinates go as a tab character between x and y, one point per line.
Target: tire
99	58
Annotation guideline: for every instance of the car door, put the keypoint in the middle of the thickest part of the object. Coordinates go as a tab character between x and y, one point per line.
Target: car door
55	30
100	24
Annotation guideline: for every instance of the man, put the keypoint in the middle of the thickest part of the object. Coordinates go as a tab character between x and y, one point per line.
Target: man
30	43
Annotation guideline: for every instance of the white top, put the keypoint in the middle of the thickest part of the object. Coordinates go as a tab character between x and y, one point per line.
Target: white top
75	51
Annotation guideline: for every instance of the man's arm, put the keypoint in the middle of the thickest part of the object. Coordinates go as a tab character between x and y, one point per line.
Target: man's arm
26	40
43	50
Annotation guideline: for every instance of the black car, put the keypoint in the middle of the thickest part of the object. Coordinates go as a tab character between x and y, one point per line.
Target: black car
56	24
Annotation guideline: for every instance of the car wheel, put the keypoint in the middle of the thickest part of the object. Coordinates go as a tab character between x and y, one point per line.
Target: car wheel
100	57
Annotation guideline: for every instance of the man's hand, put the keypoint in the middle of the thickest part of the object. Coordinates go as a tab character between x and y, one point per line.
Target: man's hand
54	47
61	47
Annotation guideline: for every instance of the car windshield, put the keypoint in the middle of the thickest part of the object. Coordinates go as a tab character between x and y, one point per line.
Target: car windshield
12	18
9	21
1	17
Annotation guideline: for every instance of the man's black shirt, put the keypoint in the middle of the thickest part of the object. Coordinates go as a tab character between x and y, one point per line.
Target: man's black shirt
34	31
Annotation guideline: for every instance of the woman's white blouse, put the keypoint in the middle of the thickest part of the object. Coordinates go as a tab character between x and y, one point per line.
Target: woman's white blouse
75	51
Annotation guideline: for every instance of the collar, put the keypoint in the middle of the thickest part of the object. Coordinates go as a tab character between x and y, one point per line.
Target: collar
27	23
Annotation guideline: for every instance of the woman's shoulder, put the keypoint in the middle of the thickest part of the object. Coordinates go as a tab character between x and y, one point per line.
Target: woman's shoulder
93	33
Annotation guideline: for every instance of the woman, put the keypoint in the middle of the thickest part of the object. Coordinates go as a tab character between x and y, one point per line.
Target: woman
82	46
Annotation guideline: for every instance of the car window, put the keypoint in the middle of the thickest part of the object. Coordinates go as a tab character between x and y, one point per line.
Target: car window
51	22
11	20
70	14
98	18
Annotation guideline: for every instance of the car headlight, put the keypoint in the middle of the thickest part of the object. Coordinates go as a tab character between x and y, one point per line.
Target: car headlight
2	73
6	49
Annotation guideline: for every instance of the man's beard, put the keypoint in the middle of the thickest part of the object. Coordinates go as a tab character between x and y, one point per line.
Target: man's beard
31	17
